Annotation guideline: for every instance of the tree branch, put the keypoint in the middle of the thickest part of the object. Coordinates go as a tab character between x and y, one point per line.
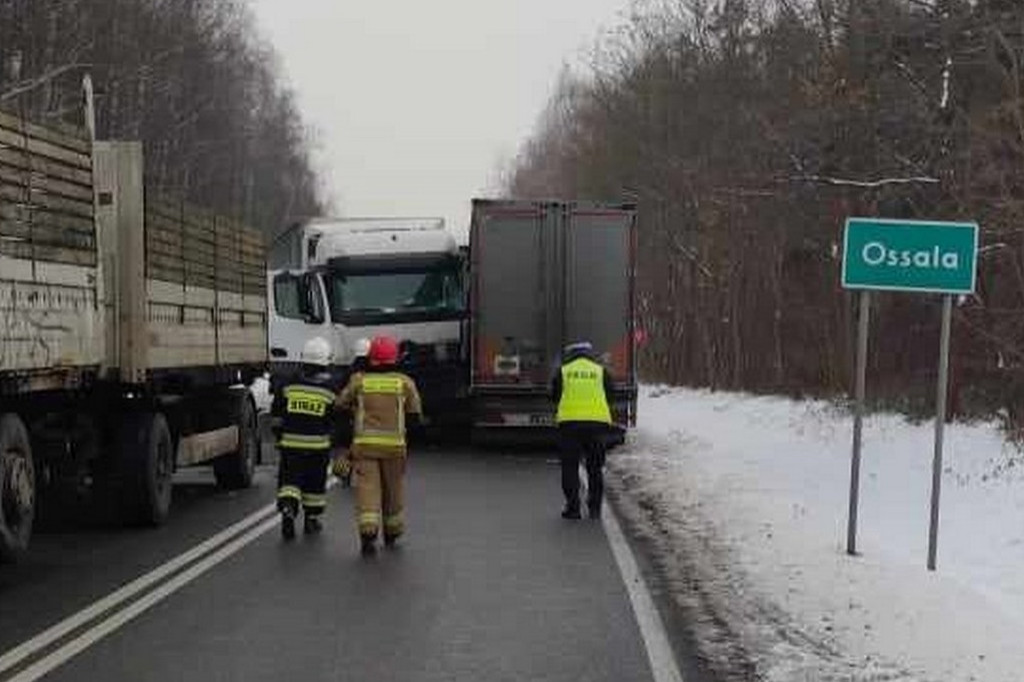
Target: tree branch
868	184
27	86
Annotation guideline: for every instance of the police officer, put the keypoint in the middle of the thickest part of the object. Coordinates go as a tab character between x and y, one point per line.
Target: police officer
581	389
384	401
306	420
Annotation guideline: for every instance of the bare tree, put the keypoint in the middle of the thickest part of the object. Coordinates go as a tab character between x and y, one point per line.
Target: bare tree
190	78
749	129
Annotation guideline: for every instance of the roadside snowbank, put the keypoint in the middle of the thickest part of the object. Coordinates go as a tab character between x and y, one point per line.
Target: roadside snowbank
747	499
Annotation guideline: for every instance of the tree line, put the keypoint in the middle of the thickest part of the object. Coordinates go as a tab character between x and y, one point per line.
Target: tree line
748	130
191	79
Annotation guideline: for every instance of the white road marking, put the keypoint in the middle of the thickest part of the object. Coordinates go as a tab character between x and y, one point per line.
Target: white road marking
137	586
652	630
104	628
49	636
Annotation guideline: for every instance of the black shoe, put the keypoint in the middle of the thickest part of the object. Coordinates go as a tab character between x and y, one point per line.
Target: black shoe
571	513
594	511
312	525
368	544
287	526
346	481
390	540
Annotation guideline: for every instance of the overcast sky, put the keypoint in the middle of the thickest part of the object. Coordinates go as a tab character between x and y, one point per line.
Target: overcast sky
419	102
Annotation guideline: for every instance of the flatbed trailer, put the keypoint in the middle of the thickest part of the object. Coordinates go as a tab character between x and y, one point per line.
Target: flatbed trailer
130	331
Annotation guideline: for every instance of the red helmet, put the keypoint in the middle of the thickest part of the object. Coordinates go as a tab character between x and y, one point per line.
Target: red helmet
383	351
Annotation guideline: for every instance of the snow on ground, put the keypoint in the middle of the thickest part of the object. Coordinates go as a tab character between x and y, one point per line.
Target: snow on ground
745	500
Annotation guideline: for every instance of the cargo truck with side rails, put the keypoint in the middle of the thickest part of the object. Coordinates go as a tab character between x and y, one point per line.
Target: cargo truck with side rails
130	330
544	274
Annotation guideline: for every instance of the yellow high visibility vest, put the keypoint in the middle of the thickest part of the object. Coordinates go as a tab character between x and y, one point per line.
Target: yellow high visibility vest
583	396
387	385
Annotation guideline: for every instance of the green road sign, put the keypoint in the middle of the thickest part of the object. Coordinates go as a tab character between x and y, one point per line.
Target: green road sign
910	255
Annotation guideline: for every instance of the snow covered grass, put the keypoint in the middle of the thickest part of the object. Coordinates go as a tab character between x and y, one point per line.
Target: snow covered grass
747	497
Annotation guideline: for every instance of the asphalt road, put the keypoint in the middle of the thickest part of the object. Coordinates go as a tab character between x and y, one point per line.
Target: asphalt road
489	584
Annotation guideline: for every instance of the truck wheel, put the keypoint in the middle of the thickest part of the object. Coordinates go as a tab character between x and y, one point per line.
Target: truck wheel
17	488
147	460
235	470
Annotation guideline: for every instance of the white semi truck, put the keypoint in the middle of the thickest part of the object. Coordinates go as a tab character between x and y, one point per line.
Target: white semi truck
130	330
345	279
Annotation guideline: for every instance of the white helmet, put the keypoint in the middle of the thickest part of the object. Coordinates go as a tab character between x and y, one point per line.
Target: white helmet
317	352
361	348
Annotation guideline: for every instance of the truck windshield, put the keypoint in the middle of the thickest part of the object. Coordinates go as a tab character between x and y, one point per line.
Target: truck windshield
429	291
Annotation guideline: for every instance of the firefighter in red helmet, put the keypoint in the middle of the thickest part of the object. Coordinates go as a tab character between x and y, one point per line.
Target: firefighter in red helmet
384	402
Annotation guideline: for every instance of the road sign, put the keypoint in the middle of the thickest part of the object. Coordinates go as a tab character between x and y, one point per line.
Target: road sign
910	255
906	255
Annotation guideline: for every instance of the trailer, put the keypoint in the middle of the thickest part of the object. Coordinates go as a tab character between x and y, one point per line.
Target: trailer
544	274
131	328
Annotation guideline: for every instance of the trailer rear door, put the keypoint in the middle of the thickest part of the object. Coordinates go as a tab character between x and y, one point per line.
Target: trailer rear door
599	284
515	317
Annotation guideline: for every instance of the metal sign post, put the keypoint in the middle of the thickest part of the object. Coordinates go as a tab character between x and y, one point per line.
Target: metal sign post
940	422
906	255
858	419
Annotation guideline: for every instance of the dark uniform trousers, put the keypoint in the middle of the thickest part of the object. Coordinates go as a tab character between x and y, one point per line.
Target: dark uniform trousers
302	479
583	442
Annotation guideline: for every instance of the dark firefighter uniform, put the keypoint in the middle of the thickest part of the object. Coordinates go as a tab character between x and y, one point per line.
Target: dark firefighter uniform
381	400
307	422
581	389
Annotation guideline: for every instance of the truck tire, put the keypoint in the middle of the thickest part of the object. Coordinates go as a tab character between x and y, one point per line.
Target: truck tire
235	470
146	453
17	488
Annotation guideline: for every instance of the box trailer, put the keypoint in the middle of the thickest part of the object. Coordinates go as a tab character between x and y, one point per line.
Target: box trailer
545	274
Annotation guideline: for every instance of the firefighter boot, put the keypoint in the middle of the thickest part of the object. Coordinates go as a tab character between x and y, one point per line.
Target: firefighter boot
312	525
571	512
287	523
368	544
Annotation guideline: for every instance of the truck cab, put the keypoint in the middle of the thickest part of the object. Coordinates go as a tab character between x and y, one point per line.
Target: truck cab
346	279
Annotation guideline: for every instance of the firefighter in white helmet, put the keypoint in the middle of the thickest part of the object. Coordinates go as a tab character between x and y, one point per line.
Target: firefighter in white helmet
304	424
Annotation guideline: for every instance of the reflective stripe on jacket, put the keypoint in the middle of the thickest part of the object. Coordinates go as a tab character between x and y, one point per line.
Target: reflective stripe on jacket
307	415
583	396
380	401
386	425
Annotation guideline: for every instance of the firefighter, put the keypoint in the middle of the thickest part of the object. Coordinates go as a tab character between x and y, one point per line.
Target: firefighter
581	388
341	462
383	402
305	422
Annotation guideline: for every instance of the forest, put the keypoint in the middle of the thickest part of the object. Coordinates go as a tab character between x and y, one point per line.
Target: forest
191	79
747	131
